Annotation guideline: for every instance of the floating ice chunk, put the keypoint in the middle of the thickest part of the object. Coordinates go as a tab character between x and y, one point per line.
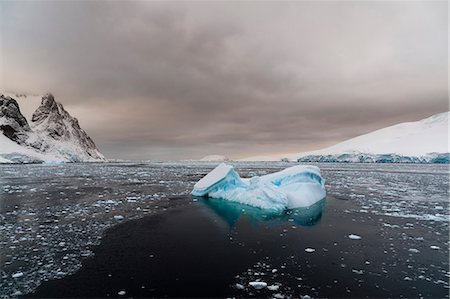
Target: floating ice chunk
215	176
413	250
121	293
435	247
239	286
118	217
354	237
273	287
309	250
17	275
258	284
294	187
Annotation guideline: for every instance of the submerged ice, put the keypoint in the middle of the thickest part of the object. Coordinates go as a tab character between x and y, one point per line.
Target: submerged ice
294	187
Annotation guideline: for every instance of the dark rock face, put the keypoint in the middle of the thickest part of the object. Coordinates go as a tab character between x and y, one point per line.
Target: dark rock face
48	104
52	130
12	123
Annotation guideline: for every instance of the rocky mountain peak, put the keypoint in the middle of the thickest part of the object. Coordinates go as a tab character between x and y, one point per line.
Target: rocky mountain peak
52	129
12	123
48	106
48	99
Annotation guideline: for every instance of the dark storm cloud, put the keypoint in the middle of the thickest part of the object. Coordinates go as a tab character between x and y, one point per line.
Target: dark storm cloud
186	79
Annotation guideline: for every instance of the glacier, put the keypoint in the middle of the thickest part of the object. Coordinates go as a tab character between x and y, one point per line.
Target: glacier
421	141
294	187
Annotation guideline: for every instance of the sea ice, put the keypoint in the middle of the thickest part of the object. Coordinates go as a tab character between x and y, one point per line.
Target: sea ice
354	237
258	284
17	275
294	187
273	287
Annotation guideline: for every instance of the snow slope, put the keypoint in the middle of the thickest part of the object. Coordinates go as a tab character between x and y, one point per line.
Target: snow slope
420	141
11	152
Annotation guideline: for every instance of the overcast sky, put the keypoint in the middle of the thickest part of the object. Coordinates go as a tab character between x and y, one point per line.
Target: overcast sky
181	80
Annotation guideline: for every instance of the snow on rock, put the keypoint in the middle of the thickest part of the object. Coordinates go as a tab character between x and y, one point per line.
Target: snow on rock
53	135
28	102
214	158
12	123
293	187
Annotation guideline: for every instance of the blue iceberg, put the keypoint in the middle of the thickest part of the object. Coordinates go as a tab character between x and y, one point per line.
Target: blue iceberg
294	187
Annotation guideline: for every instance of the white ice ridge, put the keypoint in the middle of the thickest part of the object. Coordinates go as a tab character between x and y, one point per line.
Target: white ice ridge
294	187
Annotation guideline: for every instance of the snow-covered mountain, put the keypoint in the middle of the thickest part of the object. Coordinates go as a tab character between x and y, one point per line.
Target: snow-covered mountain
52	135
423	141
214	158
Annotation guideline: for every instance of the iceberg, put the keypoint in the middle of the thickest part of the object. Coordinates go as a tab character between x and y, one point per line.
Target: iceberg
294	187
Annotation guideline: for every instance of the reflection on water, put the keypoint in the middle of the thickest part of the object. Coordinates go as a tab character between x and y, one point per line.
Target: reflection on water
308	216
231	212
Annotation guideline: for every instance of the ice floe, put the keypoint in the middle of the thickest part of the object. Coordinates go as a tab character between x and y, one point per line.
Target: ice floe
354	237
17	275
258	284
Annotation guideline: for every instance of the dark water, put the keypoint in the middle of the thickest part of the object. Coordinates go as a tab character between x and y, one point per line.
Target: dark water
171	245
210	248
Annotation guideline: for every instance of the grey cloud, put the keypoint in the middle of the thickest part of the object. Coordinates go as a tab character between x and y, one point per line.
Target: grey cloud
185	79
